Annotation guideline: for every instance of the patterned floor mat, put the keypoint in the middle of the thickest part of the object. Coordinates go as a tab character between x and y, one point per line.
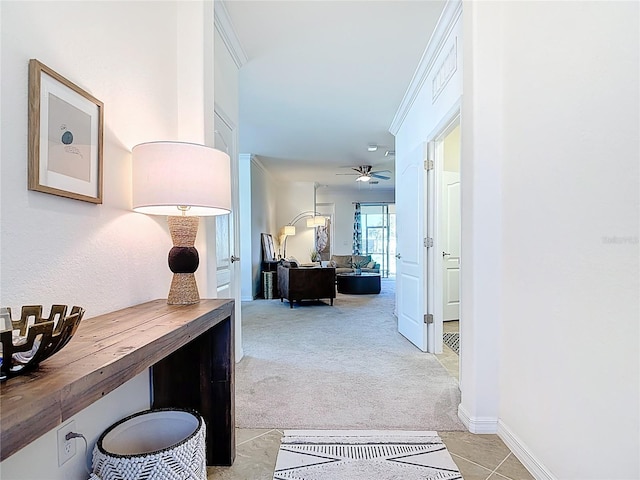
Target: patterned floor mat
452	340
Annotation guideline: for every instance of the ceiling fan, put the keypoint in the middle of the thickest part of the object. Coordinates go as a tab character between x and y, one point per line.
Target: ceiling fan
365	174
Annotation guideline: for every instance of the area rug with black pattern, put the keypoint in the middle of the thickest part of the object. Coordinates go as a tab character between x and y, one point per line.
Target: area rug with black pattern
363	455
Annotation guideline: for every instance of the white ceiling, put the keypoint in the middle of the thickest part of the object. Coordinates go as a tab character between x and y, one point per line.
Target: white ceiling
324	80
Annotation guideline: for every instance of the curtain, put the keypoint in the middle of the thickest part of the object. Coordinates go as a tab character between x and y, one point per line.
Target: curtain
357	231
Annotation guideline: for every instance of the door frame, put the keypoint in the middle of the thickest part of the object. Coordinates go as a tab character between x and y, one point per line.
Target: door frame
433	210
234	227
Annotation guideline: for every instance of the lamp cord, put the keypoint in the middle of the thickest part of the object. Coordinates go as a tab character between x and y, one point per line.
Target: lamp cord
71	435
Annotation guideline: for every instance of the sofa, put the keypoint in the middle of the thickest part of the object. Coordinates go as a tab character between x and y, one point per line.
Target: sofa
349	263
297	283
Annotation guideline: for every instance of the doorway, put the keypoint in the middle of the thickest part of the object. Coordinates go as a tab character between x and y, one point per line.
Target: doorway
450	225
226	269
446	224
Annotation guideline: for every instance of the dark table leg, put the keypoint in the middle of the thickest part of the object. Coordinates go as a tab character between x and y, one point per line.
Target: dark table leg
200	376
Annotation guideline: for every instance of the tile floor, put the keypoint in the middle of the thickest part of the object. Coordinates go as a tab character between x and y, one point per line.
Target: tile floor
448	358
479	457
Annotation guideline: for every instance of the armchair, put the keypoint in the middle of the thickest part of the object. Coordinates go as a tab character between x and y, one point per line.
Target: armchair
302	283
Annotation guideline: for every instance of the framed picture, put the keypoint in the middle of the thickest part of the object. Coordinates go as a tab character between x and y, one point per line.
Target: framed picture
268	250
323	240
65	137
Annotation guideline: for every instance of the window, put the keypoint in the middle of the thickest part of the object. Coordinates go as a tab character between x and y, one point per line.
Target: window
379	235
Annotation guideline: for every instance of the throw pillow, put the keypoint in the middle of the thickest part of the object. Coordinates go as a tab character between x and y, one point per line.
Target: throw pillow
293	262
341	261
360	263
371	264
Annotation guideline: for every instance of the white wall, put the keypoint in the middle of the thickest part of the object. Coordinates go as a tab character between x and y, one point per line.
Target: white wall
39	460
550	226
246	231
263	217
102	257
343	207
226	80
294	198
567	149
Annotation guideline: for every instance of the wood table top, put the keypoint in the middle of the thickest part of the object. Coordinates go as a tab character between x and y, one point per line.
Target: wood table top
106	352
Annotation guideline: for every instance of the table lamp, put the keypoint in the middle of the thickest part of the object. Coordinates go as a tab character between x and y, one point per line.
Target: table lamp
183	181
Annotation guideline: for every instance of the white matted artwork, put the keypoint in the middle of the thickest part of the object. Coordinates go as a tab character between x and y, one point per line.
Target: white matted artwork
65	137
268	250
323	240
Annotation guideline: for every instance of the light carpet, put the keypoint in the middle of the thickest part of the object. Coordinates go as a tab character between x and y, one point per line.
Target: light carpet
318	366
363	455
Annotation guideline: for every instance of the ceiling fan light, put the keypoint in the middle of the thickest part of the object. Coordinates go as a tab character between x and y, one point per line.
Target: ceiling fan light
363	178
372	147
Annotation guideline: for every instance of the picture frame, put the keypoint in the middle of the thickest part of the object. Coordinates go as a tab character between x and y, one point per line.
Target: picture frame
268	250
66	125
323	242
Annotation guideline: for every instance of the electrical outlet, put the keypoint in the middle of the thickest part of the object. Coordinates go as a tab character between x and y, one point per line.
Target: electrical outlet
66	448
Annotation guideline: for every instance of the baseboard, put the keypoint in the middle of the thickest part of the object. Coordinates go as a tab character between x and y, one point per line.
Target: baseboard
520	450
239	354
477	424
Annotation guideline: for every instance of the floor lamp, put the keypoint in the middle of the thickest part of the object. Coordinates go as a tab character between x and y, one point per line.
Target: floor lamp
184	181
314	219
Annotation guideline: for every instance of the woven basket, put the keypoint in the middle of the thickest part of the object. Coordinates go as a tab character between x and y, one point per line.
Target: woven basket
157	444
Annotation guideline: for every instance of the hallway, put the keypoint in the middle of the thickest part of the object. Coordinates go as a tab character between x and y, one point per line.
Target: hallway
279	340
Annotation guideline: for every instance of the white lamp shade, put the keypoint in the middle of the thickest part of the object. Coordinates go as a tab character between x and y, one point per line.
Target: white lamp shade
313	222
168	175
289	230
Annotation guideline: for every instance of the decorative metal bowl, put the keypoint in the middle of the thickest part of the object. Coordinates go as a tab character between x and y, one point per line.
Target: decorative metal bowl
31	339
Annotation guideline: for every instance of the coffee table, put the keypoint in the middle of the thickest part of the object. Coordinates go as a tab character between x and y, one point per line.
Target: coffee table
358	283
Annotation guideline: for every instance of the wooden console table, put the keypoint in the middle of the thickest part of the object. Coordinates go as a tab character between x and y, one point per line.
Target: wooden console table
190	349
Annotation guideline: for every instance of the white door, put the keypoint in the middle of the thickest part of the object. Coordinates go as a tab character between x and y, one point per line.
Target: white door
450	242
227	228
410	264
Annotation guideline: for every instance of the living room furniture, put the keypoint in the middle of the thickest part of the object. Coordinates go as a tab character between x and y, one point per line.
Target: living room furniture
358	284
349	263
306	283
190	349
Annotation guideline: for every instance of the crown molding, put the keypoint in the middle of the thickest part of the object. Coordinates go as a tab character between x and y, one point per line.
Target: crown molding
224	25
255	161
446	22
